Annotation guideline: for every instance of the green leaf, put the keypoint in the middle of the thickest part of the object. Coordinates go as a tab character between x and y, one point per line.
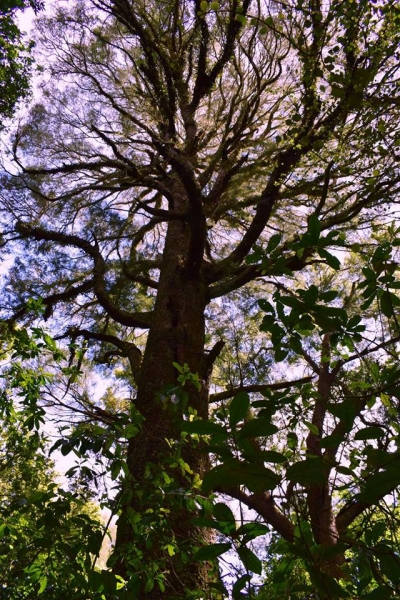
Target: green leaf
239	585
238	408
252	530
311	427
380	484
331	260
314	228
386	304
178	367
202	427
255	477
273	242
43	584
380	593
250	560
369	433
375	533
212	551
257	428
266	306
308	472
345	411
222	512
271	456
292	440
311	296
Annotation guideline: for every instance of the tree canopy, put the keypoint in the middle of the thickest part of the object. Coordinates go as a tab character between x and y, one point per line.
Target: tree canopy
205	213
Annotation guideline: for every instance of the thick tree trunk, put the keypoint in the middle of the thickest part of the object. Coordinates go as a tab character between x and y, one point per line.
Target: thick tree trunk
176	335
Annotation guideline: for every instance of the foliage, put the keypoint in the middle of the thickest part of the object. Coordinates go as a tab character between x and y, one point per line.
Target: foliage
15	59
205	212
49	536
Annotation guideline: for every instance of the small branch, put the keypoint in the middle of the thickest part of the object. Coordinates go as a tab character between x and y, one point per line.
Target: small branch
124	317
165	215
365	352
127	349
263	503
258	388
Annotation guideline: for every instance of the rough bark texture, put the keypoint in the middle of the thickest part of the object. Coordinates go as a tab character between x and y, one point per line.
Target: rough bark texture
176	335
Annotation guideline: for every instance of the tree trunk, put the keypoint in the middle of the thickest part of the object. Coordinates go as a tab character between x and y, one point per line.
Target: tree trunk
176	335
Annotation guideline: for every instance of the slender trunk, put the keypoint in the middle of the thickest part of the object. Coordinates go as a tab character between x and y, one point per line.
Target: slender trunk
319	498
176	335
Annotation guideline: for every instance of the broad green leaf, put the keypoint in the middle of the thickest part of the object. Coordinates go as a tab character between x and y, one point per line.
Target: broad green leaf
43	584
311	427
239	585
331	260
222	512
257	428
380	484
382	592
292	440
386	304
202	427
314	228
292	302
170	549
252	530
280	353
345	411
250	560
271	456
376	531
255	477
389	562
308	472
266	306
238	408
273	242
212	551
369	433
311	295
329	296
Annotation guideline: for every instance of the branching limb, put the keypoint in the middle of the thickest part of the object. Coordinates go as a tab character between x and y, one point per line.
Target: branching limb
127	349
263	503
141	320
219	396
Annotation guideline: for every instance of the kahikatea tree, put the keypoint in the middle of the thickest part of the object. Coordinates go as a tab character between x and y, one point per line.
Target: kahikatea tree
183	154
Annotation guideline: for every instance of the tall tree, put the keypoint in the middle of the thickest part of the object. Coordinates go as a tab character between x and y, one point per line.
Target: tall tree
184	153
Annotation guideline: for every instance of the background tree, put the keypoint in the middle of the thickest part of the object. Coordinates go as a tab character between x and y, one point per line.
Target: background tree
15	59
185	157
49	535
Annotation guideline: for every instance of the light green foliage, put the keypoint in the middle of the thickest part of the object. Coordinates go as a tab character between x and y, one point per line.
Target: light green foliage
49	536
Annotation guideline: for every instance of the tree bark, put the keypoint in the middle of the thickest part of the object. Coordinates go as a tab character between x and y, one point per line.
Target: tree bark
177	334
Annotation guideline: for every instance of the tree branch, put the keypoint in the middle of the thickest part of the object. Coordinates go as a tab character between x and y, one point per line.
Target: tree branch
219	396
263	503
128	349
141	320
